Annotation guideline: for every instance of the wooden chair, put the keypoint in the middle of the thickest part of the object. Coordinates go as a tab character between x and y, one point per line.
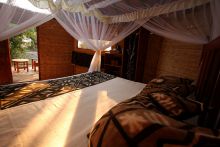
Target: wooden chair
35	64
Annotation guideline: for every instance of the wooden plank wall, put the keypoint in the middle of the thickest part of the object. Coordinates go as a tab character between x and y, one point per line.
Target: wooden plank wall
179	59
55	47
5	68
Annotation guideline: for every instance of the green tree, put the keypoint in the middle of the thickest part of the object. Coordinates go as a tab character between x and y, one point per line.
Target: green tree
22	43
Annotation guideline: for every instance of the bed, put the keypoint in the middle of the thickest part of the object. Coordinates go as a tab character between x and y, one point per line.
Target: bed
90	109
66	119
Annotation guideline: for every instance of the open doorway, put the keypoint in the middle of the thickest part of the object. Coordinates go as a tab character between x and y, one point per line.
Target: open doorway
24	56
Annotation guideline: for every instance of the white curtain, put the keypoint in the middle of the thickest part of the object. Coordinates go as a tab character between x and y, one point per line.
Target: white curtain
98	35
16	16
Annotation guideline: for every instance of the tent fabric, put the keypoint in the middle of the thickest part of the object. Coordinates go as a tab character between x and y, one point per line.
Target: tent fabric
102	23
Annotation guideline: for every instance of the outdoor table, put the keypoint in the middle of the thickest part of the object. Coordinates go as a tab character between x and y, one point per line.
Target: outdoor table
20	64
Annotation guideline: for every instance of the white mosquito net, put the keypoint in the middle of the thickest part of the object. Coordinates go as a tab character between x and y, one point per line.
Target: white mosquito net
102	23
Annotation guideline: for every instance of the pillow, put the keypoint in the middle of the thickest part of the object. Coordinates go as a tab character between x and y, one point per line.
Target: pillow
181	86
130	124
169	103
172	80
175	106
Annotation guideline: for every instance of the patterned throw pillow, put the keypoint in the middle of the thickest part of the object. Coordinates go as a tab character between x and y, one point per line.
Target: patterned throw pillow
172	80
170	103
130	124
181	86
175	106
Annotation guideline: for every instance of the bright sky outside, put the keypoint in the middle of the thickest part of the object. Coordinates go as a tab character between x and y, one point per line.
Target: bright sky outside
25	4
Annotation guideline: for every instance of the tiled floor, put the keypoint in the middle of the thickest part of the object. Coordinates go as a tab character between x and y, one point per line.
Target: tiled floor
23	75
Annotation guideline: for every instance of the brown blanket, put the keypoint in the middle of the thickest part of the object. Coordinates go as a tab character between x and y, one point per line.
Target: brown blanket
143	121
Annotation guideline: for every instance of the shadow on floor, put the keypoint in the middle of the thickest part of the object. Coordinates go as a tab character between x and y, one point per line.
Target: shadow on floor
24	76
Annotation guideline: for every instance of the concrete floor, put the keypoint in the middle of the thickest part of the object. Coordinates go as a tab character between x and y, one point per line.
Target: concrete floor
24	76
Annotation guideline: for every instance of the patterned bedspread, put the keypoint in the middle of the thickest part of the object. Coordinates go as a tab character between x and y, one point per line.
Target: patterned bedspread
22	93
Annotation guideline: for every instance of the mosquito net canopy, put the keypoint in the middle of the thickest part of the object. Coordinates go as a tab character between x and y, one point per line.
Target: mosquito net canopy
102	23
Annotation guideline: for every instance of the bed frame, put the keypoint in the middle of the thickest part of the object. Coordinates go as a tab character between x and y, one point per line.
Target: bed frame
208	85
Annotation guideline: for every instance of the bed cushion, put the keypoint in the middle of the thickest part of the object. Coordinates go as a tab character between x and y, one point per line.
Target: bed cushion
175	106
171	104
181	86
130	124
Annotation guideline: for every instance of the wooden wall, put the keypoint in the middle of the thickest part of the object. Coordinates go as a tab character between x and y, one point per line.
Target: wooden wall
179	59
152	57
55	47
5	68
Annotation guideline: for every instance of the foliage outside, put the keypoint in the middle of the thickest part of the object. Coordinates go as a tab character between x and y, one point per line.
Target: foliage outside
23	43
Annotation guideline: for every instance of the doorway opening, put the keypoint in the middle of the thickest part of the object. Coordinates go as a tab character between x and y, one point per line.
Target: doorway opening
24	56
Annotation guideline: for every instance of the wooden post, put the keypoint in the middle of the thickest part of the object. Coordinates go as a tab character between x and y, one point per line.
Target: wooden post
209	83
5	62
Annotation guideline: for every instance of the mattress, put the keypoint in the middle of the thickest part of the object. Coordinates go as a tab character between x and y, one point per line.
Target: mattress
63	120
